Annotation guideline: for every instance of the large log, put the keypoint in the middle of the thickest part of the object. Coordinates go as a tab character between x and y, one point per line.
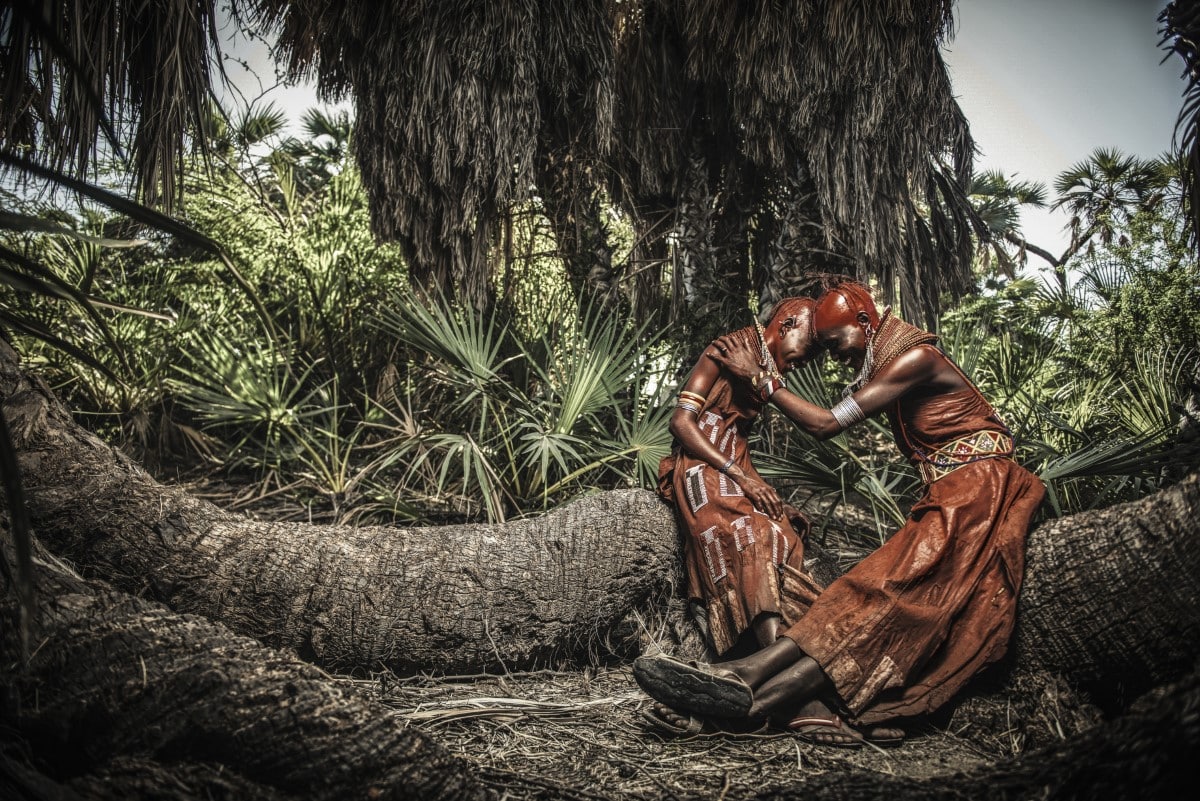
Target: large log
124	699
1112	598
447	598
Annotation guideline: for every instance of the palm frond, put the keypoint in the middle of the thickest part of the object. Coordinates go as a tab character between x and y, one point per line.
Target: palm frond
29	223
140	73
471	344
1149	399
1179	27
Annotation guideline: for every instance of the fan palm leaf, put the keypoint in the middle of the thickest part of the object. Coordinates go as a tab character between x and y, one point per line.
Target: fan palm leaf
472	345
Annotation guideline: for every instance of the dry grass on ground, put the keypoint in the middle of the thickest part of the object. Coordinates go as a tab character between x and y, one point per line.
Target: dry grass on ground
579	735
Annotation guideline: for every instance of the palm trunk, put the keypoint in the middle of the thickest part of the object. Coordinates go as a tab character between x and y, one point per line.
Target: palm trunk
1112	597
124	699
712	263
449	598
572	202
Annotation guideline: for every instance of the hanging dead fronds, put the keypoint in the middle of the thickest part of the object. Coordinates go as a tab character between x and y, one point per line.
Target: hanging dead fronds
1180	30
454	101
843	107
834	118
132	74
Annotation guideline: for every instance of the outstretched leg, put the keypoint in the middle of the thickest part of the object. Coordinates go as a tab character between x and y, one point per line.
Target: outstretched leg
793	685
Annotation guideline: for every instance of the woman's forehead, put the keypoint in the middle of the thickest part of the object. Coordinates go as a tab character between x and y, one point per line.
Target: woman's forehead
833	311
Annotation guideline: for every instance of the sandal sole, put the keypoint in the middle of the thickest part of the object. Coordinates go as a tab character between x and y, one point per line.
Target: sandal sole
689	689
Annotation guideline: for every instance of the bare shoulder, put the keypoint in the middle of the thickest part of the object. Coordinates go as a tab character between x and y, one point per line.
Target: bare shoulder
919	362
934	366
704	374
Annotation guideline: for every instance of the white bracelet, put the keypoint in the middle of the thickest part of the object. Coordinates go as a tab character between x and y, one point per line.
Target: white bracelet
847	412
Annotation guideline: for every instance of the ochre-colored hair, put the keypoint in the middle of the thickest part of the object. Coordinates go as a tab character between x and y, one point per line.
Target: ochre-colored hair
841	305
789	307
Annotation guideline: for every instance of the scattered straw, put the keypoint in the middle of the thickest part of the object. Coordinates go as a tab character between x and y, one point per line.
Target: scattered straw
579	735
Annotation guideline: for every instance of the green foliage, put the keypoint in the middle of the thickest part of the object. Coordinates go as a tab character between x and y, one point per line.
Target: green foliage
860	466
1154	303
304	361
1095	426
518	421
317	371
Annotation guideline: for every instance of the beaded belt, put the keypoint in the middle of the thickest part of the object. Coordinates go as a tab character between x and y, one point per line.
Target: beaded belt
962	451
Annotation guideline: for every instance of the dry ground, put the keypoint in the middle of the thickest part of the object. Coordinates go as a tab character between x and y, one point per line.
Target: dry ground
579	735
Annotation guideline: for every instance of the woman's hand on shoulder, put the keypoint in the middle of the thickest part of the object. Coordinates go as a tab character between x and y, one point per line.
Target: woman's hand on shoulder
737	354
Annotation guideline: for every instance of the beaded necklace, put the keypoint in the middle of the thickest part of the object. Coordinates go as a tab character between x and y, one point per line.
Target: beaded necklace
766	360
889	340
893	338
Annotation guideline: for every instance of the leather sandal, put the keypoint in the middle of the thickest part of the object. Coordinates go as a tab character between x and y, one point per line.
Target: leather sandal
698	689
819	730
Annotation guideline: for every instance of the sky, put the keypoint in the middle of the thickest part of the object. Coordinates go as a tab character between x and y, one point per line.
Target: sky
1043	83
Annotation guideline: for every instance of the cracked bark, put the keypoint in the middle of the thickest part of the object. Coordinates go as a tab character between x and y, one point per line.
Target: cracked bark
123	698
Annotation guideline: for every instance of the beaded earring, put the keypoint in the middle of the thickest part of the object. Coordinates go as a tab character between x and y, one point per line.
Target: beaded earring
868	364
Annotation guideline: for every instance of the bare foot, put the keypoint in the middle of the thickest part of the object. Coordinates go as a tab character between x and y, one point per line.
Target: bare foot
816	723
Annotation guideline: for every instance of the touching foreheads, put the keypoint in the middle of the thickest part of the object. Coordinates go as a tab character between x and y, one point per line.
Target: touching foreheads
791	307
843	304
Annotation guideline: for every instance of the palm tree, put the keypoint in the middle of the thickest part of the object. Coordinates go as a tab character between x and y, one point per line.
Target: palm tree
998	201
134	75
831	120
704	110
1103	192
321	150
1180	29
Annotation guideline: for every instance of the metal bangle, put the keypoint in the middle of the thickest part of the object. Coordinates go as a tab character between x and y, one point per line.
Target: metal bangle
725	467
847	412
687	406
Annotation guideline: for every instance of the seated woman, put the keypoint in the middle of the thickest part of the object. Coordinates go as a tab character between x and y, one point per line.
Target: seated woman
744	558
901	632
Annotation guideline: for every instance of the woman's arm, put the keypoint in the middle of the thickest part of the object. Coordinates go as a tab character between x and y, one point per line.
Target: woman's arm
685	427
912	368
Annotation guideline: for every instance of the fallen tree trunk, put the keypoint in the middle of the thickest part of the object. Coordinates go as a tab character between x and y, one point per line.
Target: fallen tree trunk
1112	598
123	698
448	598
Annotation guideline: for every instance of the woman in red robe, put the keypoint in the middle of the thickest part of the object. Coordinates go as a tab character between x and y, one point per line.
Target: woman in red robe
902	631
743	554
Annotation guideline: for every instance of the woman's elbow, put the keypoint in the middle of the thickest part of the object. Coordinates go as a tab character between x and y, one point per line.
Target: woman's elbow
825	429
